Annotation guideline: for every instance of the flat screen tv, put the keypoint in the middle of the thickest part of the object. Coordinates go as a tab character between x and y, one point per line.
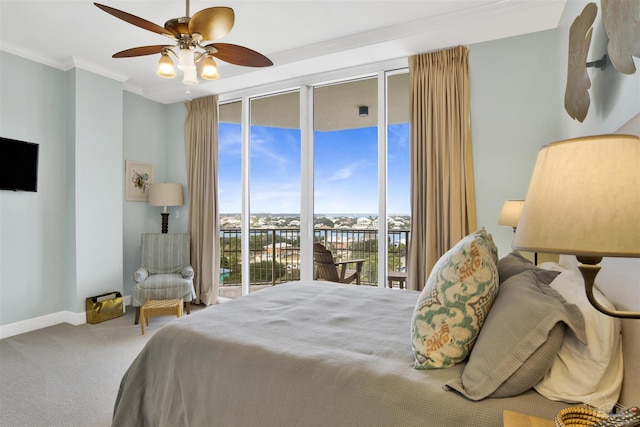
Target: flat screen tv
18	165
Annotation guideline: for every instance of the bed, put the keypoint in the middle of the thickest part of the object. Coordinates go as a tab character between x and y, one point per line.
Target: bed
311	354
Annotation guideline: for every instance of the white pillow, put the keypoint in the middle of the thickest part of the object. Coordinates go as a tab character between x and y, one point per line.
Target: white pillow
580	371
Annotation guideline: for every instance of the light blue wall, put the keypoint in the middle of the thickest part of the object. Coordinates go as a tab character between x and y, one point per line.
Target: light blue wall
517	105
153	133
33	225
176	163
515	110
144	140
64	242
98	186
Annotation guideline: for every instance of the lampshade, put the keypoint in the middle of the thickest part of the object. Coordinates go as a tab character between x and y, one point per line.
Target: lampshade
209	69
165	66
584	199
511	213
165	195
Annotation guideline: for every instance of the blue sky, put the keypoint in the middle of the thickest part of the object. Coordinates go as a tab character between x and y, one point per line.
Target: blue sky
345	163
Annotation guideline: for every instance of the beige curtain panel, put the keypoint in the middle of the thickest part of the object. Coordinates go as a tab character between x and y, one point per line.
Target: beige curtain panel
201	146
443	207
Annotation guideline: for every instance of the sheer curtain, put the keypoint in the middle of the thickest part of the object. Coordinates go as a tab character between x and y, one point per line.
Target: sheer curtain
443	207
201	146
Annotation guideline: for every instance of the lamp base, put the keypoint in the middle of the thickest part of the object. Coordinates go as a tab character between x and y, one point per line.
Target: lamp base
589	268
165	222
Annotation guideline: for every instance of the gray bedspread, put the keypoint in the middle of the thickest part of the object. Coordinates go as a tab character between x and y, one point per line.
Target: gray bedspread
300	354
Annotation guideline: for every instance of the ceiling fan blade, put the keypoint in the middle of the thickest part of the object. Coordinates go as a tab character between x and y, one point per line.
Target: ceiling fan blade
141	51
239	55
132	19
212	23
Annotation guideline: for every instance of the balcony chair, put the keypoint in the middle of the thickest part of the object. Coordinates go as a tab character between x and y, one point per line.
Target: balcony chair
328	269
166	271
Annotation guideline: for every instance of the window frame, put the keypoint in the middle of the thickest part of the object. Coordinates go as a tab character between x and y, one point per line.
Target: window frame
305	87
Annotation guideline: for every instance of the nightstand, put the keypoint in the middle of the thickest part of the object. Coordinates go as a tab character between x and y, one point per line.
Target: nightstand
516	419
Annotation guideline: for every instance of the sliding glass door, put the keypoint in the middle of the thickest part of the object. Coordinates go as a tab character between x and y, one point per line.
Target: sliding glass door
230	198
398	171
274	182
345	134
350	192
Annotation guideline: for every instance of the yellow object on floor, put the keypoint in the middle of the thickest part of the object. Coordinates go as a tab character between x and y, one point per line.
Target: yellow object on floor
165	307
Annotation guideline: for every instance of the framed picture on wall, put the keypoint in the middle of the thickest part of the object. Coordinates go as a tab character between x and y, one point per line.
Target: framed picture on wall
138	176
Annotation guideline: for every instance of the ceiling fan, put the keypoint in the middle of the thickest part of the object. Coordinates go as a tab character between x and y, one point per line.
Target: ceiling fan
188	33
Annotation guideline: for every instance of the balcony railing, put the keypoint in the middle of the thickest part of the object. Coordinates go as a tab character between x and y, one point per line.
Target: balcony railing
275	253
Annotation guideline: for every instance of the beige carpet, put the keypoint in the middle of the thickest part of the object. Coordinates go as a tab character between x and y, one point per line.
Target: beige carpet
69	375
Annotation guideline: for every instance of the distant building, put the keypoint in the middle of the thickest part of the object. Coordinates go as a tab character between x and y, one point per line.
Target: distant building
281	249
363	222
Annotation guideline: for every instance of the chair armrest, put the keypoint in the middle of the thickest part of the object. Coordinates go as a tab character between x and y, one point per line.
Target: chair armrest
140	275
187	272
342	266
351	261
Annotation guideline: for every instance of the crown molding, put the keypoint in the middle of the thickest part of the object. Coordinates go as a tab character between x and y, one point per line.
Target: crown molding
31	55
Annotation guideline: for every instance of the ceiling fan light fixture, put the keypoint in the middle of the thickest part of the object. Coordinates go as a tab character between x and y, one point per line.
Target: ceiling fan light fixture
165	66
190	77
186	59
209	69
188	32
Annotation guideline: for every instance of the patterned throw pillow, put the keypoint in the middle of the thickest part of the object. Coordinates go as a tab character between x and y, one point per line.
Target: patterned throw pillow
454	302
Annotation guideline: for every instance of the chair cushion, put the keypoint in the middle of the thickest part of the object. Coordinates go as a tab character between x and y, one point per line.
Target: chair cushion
163	286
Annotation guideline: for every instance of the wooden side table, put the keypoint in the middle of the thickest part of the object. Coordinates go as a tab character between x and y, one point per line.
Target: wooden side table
397	276
165	307
516	419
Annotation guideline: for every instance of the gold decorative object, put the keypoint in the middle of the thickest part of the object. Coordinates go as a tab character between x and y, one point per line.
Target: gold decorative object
104	307
576	96
621	21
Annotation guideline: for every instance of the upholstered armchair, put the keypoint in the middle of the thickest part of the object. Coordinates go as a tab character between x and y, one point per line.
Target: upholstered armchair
166	271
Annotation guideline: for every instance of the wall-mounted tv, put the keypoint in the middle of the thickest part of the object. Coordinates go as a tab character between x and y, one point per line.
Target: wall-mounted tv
18	165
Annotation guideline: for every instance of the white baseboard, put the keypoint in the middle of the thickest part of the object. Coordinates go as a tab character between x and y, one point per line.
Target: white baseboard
47	320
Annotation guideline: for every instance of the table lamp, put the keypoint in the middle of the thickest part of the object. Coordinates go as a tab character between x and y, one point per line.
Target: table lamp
165	195
510	214
584	200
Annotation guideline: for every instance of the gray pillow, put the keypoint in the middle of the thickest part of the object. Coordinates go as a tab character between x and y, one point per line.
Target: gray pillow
520	337
513	264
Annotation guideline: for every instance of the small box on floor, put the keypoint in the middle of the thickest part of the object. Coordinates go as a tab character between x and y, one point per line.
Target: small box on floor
104	307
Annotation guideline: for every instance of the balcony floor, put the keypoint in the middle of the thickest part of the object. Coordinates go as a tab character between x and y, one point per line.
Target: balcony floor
235	291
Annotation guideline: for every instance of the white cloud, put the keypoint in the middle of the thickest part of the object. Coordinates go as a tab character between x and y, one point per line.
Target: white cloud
348	171
342	174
